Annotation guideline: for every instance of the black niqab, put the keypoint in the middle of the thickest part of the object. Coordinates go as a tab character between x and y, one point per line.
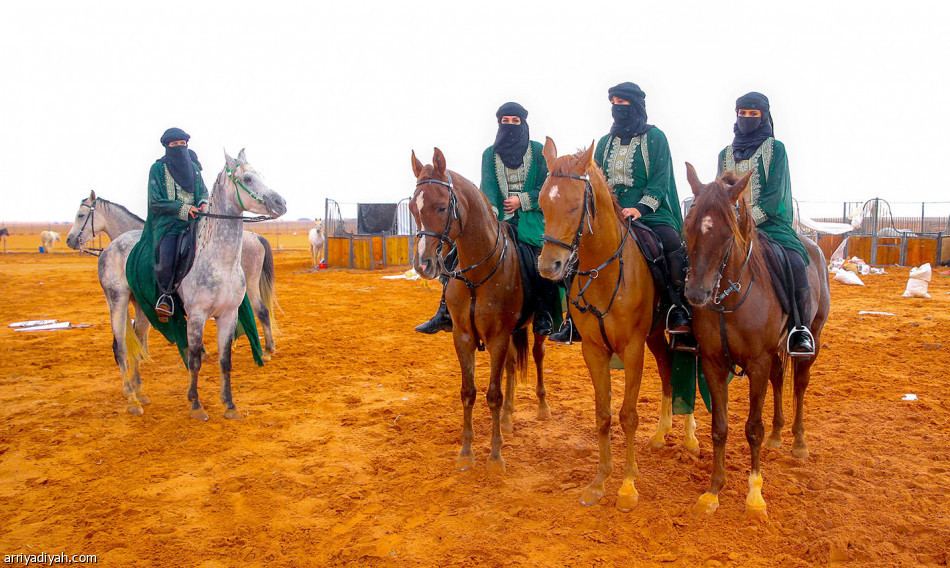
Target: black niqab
512	140
178	159
629	120
751	132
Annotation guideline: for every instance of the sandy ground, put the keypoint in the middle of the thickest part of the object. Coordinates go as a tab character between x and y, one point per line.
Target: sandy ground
347	453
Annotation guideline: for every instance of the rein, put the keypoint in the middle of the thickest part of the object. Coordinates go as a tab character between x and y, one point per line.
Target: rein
719	297
450	218
590	209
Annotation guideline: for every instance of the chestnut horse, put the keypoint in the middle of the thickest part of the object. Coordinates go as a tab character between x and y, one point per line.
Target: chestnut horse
484	296
746	329
618	298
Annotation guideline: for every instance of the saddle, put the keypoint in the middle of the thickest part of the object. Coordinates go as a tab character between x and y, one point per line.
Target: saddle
780	271
652	248
185	257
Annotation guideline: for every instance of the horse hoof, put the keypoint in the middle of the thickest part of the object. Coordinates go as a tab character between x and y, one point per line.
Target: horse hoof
591	496
756	513
136	409
706	504
627	498
495	466
507	425
800	452
142	398
199	414
544	413
465	463
265	357
774	441
691	445
233	414
657	442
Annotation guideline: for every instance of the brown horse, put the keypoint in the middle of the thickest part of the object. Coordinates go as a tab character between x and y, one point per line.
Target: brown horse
753	322
616	290
484	295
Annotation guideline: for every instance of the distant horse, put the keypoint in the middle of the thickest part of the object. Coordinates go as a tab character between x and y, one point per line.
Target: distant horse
746	329
4	233
316	242
47	238
97	215
615	287
484	295
214	287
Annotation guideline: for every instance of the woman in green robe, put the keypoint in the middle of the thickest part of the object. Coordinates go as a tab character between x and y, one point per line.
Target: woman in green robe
635	159
755	148
513	171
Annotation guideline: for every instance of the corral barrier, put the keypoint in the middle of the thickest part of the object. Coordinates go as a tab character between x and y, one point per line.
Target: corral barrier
367	235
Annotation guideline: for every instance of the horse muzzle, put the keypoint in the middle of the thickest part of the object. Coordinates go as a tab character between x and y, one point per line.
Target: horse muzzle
698	296
552	266
73	242
427	268
276	205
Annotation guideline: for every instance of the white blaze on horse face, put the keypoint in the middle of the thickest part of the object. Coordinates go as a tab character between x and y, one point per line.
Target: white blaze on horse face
553	192
420	202
707	224
422	246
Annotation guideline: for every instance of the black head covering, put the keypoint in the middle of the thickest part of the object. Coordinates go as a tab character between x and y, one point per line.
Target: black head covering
751	132
512	140
629	120
178	159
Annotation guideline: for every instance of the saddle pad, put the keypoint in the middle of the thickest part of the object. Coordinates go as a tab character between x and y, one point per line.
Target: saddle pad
779	270
652	249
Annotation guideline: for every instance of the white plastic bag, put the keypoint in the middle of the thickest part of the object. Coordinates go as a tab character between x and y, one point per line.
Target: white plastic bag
848	277
918	282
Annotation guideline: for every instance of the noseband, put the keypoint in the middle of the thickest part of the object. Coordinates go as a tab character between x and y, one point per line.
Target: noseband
590	209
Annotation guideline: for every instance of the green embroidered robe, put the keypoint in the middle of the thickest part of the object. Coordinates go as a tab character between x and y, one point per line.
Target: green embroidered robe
500	183
770	191
169	203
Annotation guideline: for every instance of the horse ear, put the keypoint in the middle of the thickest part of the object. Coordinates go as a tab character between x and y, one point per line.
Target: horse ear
92	195
438	161
241	157
229	161
693	179
735	192
416	165
550	152
585	160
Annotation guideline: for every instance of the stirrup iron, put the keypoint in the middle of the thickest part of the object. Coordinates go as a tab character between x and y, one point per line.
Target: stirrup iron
788	342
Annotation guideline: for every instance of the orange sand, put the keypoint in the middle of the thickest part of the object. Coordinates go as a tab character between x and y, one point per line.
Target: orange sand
347	453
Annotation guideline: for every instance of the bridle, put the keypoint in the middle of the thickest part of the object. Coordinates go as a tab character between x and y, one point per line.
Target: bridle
92	251
238	186
587	214
453	215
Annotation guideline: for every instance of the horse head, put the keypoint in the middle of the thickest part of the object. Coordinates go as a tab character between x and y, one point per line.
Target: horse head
565	203
249	192
717	223
434	206
85	223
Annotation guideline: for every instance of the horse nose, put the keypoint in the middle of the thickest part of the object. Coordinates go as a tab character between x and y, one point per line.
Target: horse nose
697	295
279	206
71	241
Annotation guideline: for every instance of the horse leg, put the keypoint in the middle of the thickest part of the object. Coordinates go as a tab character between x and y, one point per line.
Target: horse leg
754	433
716	376
629	419
196	328
598	364
508	407
226	325
544	412
778	416
802	370
141	326
498	349
119	315
465	350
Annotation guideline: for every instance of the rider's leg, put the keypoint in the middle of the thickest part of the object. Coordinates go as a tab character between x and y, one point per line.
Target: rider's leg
165	274
567	333
676	262
442	320
801	340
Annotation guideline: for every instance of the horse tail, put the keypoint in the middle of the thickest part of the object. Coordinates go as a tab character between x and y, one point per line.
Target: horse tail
134	348
519	340
268	293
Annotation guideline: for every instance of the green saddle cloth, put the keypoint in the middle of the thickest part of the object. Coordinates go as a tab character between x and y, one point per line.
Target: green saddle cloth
140	273
687	374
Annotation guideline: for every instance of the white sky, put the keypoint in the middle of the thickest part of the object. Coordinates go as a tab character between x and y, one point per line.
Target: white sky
330	100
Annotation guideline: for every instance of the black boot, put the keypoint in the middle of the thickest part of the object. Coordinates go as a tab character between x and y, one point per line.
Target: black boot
543	323
441	321
801	343
568	333
678	318
165	276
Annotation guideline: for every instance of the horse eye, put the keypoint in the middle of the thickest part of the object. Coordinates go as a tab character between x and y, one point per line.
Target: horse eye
574	209
248	178
442	209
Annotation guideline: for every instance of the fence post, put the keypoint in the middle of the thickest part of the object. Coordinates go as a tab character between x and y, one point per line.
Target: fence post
277	238
922	205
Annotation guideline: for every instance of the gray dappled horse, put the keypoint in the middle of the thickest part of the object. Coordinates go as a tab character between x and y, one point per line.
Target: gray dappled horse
98	215
214	288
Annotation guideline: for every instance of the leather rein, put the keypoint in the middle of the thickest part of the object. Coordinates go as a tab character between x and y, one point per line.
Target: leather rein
453	215
587	214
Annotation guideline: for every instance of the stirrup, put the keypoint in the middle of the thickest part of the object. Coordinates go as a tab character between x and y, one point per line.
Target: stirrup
685	342
788	342
163	312
567	328
669	316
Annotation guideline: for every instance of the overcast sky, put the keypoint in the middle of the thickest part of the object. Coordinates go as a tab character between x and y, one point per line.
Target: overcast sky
329	100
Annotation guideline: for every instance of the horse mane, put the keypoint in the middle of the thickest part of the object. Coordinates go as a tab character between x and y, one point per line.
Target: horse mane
714	199
120	207
563	166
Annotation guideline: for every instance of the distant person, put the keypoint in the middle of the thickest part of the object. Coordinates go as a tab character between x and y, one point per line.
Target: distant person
176	194
635	159
755	148
513	171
